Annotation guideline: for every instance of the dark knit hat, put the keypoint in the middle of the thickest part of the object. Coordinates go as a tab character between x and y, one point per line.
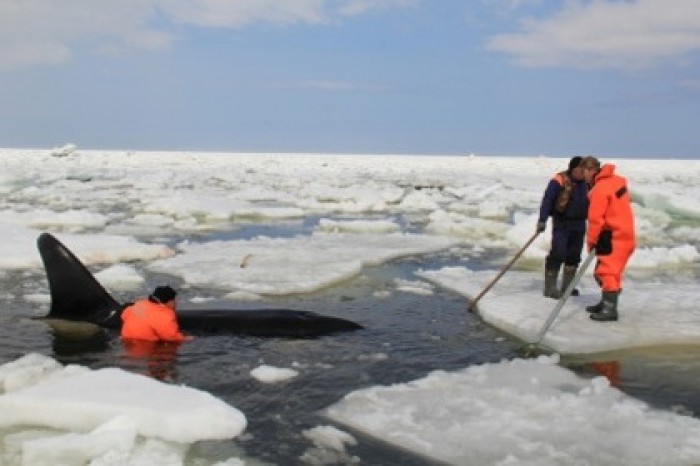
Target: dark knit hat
590	162
163	294
574	162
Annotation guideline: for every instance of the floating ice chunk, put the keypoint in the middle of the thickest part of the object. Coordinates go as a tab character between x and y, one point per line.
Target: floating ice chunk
495	414
358	226
64	151
78	399
303	264
120	276
270	374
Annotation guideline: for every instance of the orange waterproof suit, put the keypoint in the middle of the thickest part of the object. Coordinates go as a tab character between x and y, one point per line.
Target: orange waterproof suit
610	210
146	320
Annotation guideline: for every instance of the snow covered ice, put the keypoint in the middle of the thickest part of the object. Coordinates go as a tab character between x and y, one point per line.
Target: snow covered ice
347	213
108	411
520	412
515	309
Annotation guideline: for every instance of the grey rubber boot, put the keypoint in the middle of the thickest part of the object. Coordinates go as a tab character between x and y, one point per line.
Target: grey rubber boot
608	312
550	284
567	276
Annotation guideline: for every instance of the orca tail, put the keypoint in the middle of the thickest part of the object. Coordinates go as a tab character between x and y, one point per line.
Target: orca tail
75	292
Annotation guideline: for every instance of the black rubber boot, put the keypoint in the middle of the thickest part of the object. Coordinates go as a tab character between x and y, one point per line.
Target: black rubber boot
596	308
567	276
609	311
550	284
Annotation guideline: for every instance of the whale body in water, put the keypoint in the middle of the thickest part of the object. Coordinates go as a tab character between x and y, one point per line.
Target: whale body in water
77	296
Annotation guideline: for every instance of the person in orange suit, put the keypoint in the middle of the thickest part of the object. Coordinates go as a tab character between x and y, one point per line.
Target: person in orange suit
610	232
153	318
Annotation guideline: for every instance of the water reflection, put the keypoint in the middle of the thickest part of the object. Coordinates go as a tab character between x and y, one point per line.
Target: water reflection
608	369
153	358
665	377
77	338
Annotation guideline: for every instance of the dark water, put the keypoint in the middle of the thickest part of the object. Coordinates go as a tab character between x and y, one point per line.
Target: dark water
405	337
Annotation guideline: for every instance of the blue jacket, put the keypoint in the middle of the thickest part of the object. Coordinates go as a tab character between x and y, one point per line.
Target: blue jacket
574	216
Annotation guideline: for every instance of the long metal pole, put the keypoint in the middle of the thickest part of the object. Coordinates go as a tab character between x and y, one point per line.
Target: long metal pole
472	305
565	296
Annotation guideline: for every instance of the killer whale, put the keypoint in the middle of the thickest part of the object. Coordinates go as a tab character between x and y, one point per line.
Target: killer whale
77	296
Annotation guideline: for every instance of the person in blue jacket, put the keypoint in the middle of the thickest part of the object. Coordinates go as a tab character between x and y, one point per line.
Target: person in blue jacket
566	201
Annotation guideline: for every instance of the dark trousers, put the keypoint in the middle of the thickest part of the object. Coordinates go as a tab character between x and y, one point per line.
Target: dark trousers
566	248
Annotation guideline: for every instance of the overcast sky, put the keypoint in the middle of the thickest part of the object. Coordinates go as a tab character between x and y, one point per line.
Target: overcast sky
507	77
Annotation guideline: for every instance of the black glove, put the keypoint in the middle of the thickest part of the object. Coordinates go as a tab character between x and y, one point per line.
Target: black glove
604	245
541	226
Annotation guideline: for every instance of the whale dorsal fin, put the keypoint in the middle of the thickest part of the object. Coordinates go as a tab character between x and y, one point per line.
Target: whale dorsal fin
75	292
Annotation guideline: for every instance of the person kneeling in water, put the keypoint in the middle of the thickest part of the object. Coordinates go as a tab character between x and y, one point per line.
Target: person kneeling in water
153	318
